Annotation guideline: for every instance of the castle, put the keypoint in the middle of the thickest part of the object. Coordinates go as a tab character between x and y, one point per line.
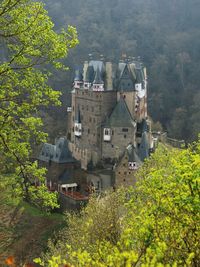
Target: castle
108	131
108	111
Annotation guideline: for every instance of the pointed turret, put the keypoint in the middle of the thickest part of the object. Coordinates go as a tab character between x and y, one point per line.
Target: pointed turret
78	80
89	77
134	161
98	84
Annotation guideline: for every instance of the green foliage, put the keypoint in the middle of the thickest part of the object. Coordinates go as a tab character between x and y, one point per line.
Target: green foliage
28	44
155	223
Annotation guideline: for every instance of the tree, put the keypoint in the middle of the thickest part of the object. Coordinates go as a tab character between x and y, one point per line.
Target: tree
28	45
157	222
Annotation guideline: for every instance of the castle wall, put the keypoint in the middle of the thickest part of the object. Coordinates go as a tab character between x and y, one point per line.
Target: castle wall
94	107
119	141
123	175
142	112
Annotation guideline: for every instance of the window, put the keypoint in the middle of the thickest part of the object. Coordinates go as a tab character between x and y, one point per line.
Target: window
88	130
125	136
112	132
92	109
125	130
90	119
106	132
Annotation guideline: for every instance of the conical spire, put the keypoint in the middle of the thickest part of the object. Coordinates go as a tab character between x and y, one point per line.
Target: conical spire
78	76
98	78
89	74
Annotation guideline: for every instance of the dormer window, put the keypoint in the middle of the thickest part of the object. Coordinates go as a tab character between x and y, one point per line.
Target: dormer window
107	134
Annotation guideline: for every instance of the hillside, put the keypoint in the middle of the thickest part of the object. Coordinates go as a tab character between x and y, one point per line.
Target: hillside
24	231
164	34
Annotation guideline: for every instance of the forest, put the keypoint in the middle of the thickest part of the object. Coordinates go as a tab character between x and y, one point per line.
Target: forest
164	34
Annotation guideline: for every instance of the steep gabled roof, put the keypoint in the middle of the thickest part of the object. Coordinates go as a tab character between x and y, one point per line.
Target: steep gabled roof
58	153
89	77
98	78
120	116
139	75
132	154
78	75
97	64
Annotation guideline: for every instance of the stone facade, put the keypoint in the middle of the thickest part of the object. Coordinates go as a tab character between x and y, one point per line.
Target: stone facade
120	138
108	133
109	102
123	175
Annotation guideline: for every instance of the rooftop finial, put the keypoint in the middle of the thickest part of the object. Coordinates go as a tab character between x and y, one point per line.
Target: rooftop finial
90	56
101	57
124	56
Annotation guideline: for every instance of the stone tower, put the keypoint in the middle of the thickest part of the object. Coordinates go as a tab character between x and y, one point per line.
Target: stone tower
108	106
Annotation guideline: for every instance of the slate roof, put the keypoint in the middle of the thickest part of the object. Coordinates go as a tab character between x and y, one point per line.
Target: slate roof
78	75
58	153
120	116
97	64
132	154
98	78
128	74
144	147
139	75
89	77
142	126
121	67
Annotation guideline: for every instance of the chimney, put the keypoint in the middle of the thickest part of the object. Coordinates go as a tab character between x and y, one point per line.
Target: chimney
85	66
109	80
